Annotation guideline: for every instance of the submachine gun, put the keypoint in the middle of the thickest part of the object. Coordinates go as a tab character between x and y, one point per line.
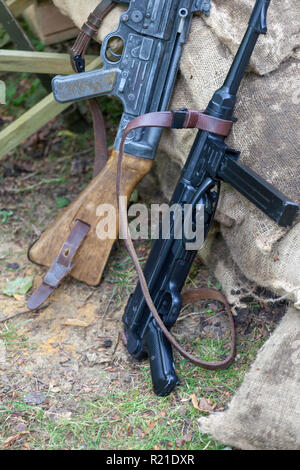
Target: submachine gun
209	163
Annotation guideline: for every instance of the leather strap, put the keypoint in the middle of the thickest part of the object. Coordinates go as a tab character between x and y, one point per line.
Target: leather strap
175	119
202	293
77	53
182	119
88	30
100	142
61	266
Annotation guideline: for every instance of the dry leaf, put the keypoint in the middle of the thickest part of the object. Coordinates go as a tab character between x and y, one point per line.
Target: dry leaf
34	398
195	402
187	438
152	425
20	299
65	415
204	405
207	405
11	440
75	322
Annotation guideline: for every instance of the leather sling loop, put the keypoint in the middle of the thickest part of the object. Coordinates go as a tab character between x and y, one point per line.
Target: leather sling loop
77	53
61	266
179	120
100	142
88	30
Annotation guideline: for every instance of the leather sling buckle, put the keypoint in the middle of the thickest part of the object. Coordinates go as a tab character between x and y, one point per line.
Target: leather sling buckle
61	266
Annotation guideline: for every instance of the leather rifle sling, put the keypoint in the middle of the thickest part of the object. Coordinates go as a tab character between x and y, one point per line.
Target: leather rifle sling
171	119
77	53
63	263
61	266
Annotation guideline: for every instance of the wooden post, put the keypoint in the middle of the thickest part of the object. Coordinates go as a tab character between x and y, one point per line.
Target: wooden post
19	37
38	62
18	6
48	23
30	122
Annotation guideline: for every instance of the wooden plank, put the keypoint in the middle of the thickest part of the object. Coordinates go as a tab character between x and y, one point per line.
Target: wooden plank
19	37
61	36
18	6
38	62
30	122
51	20
12	27
48	23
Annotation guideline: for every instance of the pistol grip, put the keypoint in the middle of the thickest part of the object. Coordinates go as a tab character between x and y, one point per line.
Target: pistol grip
160	353
89	207
81	86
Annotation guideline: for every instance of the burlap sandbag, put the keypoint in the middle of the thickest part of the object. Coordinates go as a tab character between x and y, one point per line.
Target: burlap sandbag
79	10
265	412
267	134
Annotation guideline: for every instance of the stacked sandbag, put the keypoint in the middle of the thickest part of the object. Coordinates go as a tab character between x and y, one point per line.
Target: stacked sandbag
264	414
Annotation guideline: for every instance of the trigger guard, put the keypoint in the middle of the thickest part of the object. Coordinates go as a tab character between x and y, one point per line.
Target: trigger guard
116	56
105	48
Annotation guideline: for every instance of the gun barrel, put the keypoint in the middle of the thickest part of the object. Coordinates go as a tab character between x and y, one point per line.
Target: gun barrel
257	26
224	100
258	18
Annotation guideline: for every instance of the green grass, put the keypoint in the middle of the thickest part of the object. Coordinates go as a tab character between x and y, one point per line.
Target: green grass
123	277
130	417
10	336
121	420
5	216
23	91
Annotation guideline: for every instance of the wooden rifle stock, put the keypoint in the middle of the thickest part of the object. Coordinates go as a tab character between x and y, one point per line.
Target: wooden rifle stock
92	256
